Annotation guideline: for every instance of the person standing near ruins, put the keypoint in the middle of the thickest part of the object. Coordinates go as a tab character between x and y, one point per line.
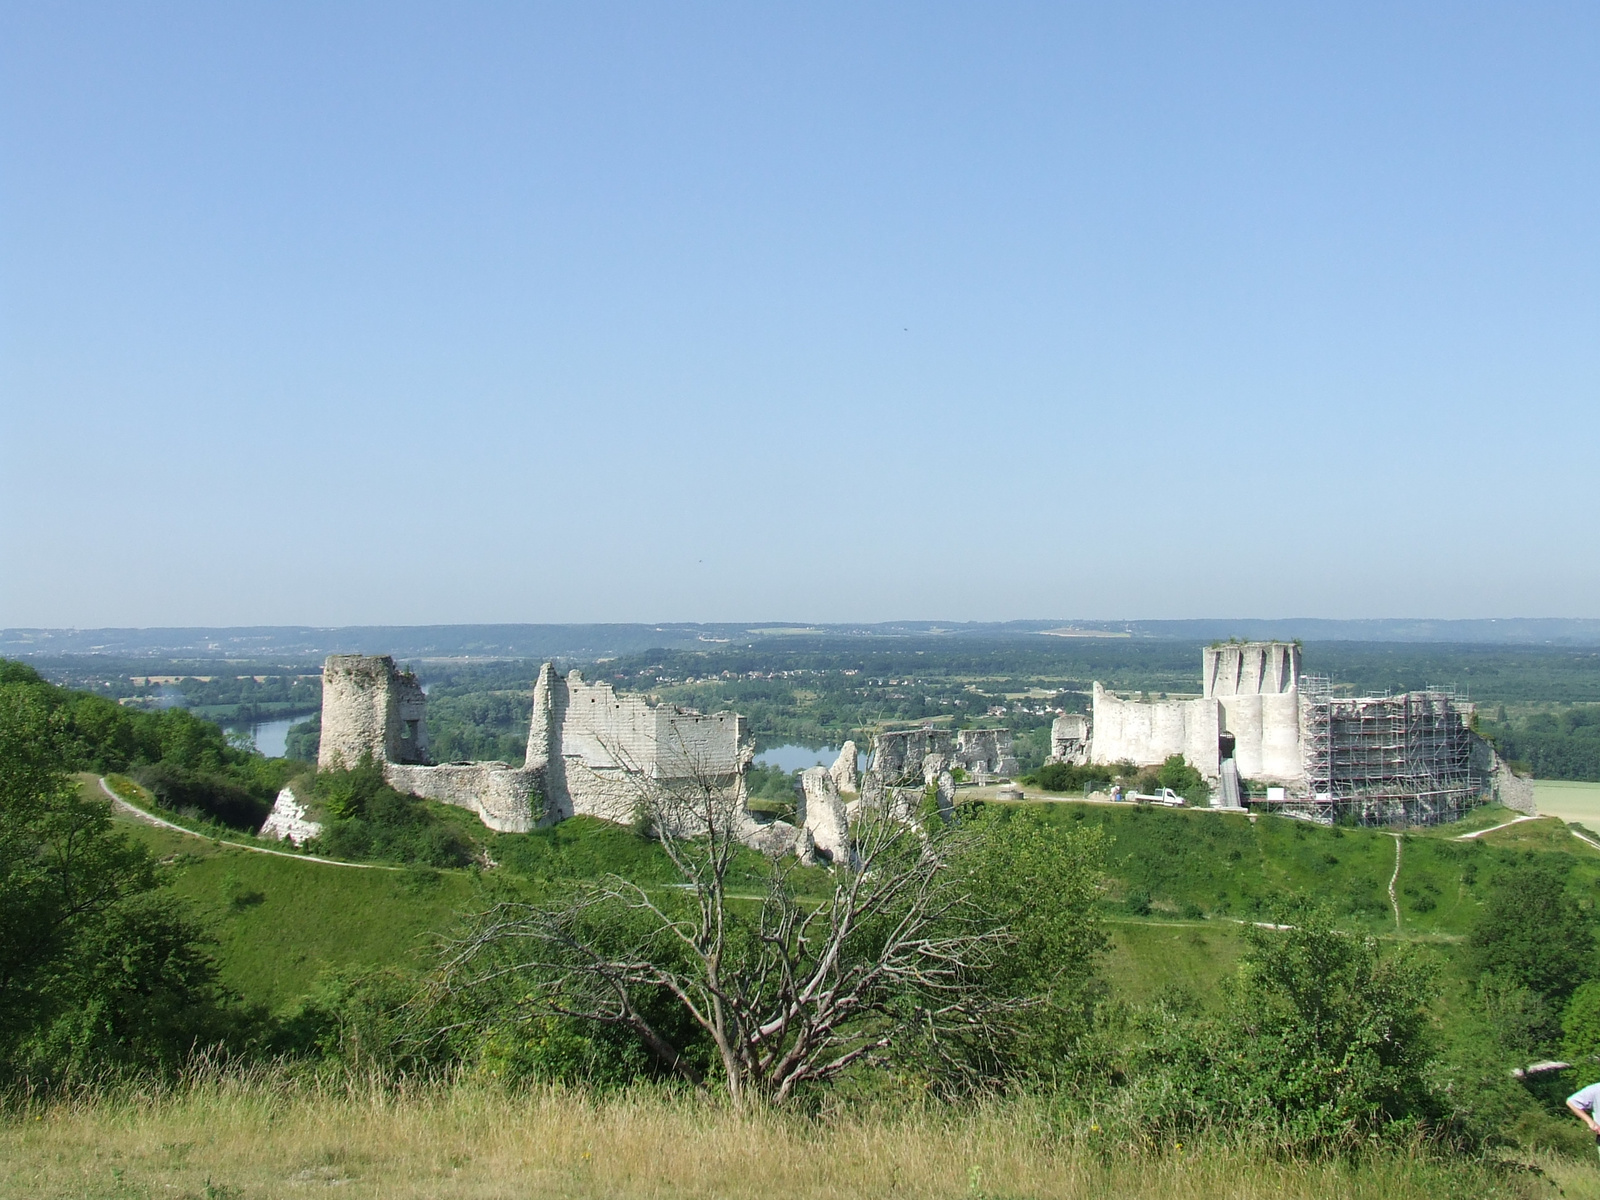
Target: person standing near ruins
1582	1103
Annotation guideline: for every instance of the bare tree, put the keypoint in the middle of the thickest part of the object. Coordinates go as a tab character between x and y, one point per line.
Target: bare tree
786	989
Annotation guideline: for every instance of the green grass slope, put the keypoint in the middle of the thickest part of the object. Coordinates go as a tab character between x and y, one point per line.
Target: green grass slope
281	922
1194	863
1181	887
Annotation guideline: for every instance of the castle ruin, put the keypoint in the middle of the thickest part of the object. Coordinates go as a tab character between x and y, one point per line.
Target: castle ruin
586	746
1411	757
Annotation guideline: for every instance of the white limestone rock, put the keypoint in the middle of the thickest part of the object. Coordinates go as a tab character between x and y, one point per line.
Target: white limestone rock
946	795
823	815
288	821
775	839
845	778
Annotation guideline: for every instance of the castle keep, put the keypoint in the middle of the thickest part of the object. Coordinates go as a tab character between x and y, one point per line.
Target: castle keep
1411	757
584	741
1249	710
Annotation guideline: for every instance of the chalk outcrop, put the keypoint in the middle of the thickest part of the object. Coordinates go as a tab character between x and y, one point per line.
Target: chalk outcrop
845	776
288	821
822	815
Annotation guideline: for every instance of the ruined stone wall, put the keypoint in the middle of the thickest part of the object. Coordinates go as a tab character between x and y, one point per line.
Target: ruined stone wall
371	707
1148	734
589	743
906	755
846	776
588	747
506	798
1250	690
898	756
1513	790
603	737
1069	739
985	752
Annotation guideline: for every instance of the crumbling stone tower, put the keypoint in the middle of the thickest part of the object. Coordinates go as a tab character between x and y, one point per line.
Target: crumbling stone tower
369	706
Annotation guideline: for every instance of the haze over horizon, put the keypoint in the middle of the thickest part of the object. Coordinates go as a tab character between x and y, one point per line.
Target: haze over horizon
393	314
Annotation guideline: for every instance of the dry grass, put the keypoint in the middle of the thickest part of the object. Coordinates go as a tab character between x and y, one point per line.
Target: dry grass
262	1139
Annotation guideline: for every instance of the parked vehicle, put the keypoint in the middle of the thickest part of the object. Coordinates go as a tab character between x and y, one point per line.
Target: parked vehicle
1164	796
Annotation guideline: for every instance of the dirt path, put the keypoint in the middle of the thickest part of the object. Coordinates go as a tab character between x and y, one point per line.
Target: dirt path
1503	825
1394	901
151	819
1584	838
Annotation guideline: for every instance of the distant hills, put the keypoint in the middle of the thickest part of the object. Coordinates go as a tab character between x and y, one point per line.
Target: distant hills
597	641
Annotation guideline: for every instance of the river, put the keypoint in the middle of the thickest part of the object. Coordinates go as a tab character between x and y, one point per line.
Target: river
797	758
272	737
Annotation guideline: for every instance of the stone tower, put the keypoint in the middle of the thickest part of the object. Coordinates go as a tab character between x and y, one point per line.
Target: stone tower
1250	669
369	706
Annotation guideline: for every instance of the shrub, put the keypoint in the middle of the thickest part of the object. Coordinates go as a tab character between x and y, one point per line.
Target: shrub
1067	777
1532	933
1324	1043
204	794
102	969
368	819
1580	1025
1178	775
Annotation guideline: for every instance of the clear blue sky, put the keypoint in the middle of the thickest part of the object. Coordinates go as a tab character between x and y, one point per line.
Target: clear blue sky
393	313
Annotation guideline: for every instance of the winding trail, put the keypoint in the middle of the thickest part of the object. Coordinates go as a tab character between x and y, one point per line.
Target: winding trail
1394	901
1503	825
151	819
1584	838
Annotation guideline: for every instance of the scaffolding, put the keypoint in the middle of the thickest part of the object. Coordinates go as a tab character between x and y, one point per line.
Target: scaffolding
1387	759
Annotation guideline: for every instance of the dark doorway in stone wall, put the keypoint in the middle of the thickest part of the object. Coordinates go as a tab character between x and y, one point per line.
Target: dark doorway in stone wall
1225	744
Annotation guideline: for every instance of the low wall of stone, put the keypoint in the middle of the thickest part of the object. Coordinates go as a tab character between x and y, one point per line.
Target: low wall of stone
507	799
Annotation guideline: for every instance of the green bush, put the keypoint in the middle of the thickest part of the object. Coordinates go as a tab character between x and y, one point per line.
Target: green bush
1532	933
1178	775
1067	777
770	783
1580	1025
101	968
204	794
304	740
368	819
1324	1044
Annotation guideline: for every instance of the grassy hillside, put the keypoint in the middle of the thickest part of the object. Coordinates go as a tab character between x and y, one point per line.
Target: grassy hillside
280	922
1181	887
1193	864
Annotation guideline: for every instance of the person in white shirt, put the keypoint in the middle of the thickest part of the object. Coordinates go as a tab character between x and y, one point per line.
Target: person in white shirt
1582	1103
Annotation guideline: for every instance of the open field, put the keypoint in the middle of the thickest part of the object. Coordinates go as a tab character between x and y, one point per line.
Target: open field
267	1139
1569	801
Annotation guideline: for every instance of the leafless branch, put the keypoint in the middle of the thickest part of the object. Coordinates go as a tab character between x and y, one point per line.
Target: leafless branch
787	989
